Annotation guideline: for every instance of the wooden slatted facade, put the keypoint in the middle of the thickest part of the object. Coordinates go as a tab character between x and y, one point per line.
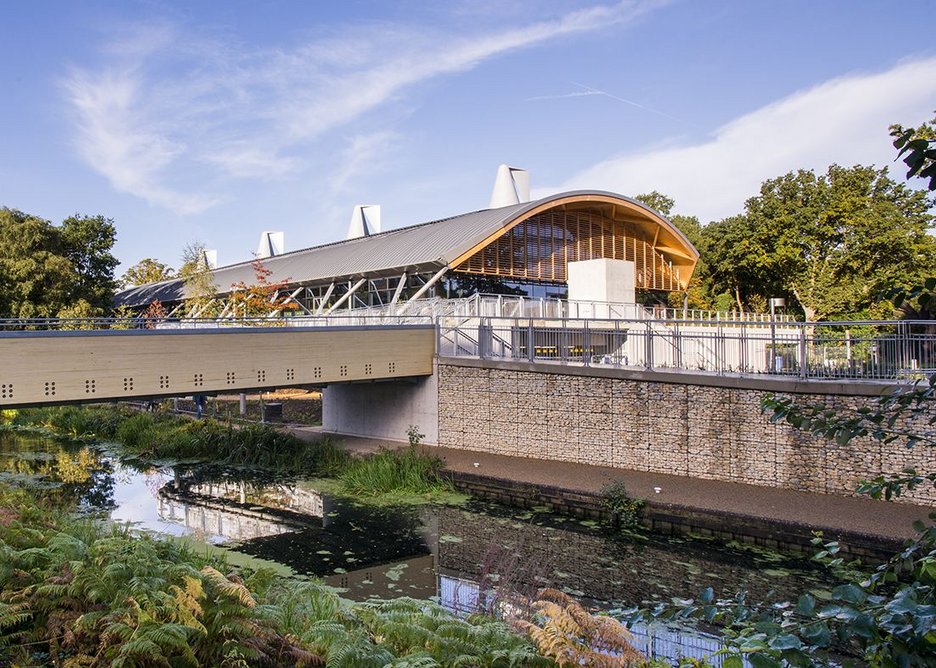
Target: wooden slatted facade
539	248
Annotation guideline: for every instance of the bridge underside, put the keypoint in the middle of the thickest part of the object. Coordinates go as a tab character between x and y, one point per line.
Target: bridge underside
39	368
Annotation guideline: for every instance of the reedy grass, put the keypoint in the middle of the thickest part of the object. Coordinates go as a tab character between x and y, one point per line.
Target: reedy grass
389	476
404	472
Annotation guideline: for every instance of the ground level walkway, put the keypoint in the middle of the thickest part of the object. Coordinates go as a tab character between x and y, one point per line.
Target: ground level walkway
735	502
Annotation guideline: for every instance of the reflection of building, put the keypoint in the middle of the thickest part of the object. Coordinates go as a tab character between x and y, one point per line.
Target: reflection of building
281	497
218	522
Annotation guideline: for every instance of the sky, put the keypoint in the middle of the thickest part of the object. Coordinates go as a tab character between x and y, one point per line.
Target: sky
211	122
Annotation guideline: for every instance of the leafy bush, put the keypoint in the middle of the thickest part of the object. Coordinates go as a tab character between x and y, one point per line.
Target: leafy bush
624	509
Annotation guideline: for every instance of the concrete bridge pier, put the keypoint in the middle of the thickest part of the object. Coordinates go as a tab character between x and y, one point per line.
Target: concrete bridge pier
383	409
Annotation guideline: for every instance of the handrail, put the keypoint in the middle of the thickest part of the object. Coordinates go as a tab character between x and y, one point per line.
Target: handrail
874	350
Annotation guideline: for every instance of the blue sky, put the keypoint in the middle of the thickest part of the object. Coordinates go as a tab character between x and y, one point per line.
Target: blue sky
212	121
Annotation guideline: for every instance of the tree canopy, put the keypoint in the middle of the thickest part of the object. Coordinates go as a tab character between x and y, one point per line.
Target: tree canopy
832	244
46	270
147	270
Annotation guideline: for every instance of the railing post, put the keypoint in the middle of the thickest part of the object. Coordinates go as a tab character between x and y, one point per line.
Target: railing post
802	352
648	345
586	345
531	349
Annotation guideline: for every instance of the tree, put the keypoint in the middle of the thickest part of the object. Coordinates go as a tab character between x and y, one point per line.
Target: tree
831	244
697	293
87	242
45	269
146	271
259	299
200	290
917	147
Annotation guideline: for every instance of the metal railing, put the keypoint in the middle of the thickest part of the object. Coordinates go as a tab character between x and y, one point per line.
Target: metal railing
515	306
141	323
875	350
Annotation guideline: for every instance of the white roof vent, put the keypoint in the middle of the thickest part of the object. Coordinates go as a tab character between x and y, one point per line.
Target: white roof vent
365	221
512	186
271	243
211	259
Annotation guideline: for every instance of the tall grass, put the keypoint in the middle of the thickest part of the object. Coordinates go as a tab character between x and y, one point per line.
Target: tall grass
404	472
170	437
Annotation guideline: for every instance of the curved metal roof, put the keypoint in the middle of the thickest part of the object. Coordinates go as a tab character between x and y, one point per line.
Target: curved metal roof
424	247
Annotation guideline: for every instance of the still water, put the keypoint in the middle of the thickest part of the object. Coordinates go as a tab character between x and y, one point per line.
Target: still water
461	556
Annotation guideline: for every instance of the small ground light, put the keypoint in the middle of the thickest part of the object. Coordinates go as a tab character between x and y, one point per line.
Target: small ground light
657	489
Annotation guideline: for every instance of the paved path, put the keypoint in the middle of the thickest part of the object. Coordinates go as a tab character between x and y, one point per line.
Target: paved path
818	511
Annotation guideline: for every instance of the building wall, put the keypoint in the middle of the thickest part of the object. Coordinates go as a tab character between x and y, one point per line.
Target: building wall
706	427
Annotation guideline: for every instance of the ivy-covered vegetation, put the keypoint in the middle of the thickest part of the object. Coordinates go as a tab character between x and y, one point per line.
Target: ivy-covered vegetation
77	592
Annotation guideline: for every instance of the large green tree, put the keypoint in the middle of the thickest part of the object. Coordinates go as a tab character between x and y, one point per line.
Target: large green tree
830	243
698	293
147	270
46	269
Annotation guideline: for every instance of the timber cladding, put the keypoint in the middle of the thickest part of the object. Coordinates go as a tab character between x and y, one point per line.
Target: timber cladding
60	367
703	431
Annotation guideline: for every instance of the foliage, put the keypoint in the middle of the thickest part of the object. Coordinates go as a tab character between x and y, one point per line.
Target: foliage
887	618
904	417
414	436
200	289
162	436
917	147
153	314
261	298
403	472
146	271
831	243
45	269
564	631
625	509
76	592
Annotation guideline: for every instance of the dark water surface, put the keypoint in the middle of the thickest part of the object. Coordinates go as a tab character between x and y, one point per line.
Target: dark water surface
461	556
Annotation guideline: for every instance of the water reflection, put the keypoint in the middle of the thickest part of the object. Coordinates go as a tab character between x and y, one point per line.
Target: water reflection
466	557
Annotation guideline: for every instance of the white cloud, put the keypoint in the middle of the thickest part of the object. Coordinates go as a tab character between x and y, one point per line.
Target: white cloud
365	154
168	108
841	121
114	139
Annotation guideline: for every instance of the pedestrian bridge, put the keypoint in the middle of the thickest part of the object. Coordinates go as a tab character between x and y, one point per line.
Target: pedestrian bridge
55	367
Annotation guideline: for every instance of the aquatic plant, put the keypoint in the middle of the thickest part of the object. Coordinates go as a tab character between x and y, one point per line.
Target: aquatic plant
623	508
169	437
564	631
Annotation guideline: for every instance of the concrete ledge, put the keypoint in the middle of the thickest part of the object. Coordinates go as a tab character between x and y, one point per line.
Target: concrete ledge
678	519
859	388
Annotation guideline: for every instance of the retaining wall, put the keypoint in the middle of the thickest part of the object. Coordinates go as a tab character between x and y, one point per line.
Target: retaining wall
676	423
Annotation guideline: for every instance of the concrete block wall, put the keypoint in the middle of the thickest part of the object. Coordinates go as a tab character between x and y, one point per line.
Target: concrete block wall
680	428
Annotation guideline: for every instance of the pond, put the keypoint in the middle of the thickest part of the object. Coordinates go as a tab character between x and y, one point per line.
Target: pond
466	557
